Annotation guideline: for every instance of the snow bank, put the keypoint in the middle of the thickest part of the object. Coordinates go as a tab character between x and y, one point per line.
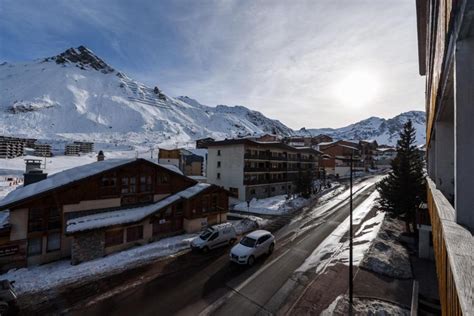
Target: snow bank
275	205
340	306
60	273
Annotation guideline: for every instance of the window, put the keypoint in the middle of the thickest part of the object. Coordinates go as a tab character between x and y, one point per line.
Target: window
218	175
129	185
162	179
113	237
134	233
263	239
35	246
218	152
214	202
234	192
252	191
145	184
218	164
36	220
214	236
54	219
108	181
54	242
273	189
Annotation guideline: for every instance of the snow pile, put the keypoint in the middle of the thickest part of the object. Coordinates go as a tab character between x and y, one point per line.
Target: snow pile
363	306
334	248
245	223
60	273
275	205
387	256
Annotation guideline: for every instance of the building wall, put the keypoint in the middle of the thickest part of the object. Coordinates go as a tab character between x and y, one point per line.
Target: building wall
231	169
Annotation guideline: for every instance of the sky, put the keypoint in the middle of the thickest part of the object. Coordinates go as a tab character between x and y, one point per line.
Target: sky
313	64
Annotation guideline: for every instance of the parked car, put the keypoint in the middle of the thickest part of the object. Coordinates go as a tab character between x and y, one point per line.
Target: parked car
8	304
214	237
252	246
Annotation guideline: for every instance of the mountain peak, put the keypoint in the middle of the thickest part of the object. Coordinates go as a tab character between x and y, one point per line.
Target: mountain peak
82	57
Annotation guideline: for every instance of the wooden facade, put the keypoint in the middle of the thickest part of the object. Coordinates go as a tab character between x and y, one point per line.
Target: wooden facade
39	221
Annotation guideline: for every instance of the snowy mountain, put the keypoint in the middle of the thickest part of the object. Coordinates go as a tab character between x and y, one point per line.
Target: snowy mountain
76	95
384	131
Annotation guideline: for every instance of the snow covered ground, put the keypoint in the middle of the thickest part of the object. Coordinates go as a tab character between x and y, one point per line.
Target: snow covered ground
275	205
56	274
363	307
334	248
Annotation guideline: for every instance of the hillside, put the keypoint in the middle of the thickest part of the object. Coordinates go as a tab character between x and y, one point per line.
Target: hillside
77	95
384	131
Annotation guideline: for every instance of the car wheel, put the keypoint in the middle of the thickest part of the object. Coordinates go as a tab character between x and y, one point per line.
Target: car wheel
205	249
270	249
251	261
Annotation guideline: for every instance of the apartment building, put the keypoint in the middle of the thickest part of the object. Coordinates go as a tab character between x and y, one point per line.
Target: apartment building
446	59
336	160
11	147
251	169
189	163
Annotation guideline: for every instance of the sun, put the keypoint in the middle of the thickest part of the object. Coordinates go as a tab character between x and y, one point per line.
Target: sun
357	88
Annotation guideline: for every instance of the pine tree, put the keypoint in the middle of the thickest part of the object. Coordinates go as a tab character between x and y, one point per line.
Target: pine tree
404	188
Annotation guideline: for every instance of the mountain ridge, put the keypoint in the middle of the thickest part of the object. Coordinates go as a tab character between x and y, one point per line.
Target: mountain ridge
76	95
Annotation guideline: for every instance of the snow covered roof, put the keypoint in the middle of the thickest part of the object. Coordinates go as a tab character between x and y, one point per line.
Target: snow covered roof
4	218
130	215
350	147
327	143
70	175
117	217
192	191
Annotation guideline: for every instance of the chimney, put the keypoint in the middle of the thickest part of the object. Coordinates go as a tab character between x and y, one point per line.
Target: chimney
100	156
33	172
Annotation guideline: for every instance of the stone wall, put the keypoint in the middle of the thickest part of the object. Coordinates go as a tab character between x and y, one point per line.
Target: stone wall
87	246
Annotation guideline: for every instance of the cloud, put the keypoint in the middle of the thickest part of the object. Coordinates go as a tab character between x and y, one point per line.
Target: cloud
283	58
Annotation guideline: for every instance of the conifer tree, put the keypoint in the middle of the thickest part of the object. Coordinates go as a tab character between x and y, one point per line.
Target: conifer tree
404	188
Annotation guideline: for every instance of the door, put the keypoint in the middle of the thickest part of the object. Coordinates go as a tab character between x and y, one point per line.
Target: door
262	245
213	241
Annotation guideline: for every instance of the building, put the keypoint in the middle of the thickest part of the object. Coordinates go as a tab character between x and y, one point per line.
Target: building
337	157
321	138
72	150
368	151
85	147
43	150
384	156
446	58
251	169
189	163
11	147
96	209
202	143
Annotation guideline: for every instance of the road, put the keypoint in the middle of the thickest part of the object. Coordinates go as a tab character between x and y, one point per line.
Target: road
215	286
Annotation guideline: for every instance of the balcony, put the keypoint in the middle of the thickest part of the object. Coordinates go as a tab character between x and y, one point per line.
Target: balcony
454	253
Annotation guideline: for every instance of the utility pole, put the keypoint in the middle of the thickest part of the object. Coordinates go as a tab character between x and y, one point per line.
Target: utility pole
351	285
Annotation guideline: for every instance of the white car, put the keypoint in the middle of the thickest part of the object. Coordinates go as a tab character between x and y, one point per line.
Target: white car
252	246
214	237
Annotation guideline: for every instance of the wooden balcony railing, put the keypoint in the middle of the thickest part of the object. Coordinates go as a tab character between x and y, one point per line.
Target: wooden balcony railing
454	254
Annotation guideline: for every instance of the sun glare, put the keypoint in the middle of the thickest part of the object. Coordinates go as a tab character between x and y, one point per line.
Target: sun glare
357	88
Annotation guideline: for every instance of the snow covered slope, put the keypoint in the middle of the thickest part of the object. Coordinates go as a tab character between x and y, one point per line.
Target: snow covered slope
76	95
385	131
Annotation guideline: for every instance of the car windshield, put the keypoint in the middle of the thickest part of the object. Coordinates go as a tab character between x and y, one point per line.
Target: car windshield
205	235
248	242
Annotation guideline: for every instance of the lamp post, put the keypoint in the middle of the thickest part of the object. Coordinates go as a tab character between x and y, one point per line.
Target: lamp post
351	285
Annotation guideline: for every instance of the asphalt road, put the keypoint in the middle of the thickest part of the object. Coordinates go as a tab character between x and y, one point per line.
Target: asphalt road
215	286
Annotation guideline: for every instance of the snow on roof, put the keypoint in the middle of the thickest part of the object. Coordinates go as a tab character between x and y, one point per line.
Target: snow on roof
386	149
117	217
350	147
70	175
192	191
4	218
327	143
130	215
62	178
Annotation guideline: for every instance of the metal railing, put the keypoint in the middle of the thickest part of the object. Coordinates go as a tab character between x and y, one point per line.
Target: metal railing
454	253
